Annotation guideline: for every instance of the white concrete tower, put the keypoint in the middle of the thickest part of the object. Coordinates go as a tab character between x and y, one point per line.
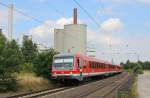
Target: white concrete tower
71	39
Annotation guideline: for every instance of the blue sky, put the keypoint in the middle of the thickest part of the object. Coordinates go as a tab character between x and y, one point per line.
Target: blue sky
124	22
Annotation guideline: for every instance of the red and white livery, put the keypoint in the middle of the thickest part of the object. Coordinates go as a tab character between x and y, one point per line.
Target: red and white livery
79	67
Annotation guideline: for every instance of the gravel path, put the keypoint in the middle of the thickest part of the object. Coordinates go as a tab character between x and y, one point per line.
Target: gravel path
144	85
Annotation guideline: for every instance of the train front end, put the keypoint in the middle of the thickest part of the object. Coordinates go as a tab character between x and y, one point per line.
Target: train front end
64	68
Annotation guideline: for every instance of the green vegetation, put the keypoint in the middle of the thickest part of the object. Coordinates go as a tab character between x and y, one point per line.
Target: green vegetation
42	63
15	60
136	67
29	50
10	58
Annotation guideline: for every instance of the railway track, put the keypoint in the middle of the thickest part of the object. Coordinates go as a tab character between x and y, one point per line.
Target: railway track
85	91
38	93
104	89
50	93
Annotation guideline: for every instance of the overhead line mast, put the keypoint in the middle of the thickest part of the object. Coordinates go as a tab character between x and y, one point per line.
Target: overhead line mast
10	20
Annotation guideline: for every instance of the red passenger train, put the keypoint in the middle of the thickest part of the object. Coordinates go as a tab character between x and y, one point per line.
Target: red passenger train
79	67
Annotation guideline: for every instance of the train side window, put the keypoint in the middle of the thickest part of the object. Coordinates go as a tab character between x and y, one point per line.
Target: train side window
96	65
90	64
84	64
79	63
93	65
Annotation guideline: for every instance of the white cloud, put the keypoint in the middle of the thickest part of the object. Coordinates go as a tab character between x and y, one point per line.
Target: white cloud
101	39
144	1
44	33
112	25
123	47
63	21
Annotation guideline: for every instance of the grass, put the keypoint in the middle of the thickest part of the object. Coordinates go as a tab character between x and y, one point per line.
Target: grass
134	92
29	82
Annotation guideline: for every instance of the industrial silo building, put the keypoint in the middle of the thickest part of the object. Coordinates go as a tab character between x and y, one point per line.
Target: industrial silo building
71	39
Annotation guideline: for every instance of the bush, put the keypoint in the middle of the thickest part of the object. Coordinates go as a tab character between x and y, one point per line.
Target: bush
8	82
26	67
43	62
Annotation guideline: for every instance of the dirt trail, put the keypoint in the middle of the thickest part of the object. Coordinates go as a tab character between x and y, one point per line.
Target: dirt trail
144	85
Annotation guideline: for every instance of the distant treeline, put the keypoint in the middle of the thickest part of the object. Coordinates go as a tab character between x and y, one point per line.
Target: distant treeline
143	64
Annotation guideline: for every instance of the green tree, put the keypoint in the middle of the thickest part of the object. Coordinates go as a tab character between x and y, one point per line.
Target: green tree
10	58
29	50
126	65
43	62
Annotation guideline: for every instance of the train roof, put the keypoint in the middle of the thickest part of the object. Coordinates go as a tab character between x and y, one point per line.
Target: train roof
64	54
83	56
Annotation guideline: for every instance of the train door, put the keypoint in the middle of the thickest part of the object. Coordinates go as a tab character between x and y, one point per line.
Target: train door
79	63
84	67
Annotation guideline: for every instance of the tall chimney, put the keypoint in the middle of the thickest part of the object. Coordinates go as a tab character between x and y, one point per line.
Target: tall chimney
75	16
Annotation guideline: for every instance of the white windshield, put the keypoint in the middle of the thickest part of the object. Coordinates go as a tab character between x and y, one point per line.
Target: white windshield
63	60
63	63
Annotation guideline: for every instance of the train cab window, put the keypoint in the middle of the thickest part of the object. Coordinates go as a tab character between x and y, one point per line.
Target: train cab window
63	63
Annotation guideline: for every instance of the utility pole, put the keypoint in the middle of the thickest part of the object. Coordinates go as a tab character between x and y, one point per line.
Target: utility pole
10	20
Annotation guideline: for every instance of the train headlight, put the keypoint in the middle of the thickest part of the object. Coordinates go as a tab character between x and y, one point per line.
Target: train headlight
54	73
71	73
